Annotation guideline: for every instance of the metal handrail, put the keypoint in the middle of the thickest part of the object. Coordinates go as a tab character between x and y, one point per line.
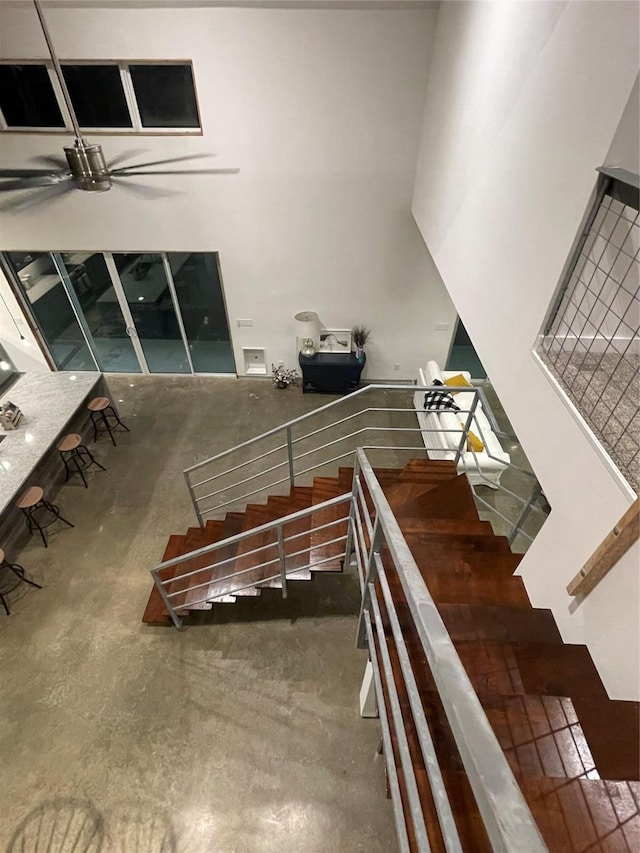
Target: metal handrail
508	821
298	461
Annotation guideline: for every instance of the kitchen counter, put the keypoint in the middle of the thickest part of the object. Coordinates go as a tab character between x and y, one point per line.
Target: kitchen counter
52	405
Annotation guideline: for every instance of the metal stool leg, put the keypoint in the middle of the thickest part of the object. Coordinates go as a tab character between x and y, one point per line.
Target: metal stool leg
20	573
83	449
54	509
66	466
117	417
108	427
76	459
32	523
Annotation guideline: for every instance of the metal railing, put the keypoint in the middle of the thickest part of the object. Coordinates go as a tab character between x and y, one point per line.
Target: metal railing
209	575
318	442
370	534
508	821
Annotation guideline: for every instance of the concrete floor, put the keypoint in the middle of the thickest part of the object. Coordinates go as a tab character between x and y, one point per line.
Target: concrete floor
242	734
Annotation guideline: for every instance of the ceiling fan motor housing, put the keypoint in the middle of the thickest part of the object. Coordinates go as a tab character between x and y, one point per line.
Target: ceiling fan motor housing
88	166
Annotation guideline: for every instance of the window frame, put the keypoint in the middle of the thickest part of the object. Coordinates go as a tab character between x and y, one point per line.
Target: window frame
136	128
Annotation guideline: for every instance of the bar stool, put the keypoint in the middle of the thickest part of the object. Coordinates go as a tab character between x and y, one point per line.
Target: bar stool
73	452
101	410
31	501
18	571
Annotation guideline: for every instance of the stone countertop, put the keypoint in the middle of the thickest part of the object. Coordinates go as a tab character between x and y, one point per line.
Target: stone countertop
48	402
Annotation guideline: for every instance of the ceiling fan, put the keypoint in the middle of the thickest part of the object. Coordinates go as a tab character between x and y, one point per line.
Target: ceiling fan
86	167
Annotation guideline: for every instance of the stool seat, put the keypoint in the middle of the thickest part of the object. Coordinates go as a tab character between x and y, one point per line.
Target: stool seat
70	442
30	497
33	505
105	418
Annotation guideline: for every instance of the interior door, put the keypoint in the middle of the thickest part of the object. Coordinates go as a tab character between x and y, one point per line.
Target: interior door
144	292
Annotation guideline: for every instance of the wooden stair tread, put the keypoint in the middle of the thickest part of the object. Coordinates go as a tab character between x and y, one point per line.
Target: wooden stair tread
499	623
483	564
452	499
612	727
458	541
581	814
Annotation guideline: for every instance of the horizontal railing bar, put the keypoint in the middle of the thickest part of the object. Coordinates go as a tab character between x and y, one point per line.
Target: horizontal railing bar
358	392
242	497
262	528
392	773
254	567
237	483
411	785
507	818
438	790
239	466
223	544
223	594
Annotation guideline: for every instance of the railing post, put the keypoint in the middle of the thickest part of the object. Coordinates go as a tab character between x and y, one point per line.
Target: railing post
377	538
283	565
535	492
177	621
348	549
467	425
292	476
194	500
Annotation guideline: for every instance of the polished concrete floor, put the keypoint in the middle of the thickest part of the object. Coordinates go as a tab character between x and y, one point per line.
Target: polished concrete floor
240	735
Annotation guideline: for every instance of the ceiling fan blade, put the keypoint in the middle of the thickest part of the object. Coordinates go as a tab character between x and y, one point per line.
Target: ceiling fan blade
143	190
161	162
54	162
31	183
120	158
181	172
24	173
16	204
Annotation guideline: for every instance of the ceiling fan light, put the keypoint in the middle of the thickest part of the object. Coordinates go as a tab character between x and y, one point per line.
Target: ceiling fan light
88	166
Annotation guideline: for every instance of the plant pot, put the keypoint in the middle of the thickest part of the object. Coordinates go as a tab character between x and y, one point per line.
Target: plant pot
281	384
360	353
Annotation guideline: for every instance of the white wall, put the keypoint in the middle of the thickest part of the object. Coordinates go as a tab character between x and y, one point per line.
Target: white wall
321	111
523	102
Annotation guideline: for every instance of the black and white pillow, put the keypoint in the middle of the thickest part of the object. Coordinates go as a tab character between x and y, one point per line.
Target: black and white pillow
439	401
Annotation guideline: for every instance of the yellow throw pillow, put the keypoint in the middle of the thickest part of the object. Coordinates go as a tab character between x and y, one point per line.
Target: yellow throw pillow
457	381
473	442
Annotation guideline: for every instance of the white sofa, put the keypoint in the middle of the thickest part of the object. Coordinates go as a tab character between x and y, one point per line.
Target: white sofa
445	431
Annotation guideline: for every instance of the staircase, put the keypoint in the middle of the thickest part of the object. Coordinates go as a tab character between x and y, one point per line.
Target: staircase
574	752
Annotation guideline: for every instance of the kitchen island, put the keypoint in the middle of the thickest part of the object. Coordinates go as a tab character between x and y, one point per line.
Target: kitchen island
53	404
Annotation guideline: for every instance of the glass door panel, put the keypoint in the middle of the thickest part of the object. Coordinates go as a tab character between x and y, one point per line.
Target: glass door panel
201	302
89	278
149	299
52	309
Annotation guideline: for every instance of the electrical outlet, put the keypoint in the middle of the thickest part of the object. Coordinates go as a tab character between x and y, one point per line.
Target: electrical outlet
396	366
244	322
441	327
280	363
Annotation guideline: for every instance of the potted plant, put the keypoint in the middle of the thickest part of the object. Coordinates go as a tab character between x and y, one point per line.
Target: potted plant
360	335
283	377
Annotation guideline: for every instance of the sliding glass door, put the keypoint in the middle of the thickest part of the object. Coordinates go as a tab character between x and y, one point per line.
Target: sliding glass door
128	312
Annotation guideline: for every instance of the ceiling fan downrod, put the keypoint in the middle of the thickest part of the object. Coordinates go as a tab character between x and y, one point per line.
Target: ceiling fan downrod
86	161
